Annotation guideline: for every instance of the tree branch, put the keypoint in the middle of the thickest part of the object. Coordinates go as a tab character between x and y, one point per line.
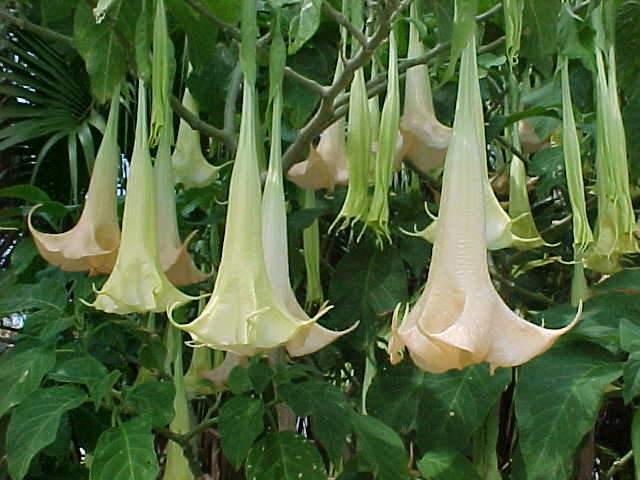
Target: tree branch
203	127
306	82
324	114
206	13
24	24
340	19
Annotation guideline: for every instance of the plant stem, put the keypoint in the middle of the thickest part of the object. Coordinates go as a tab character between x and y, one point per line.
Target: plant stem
619	464
24	24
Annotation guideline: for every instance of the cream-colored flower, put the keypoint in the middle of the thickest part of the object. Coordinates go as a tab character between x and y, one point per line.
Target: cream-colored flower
311	337
190	167
174	256
244	315
137	282
92	244
425	139
460	319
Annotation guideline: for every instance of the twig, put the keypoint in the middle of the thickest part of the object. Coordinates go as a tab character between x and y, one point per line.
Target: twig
619	464
522	291
202	126
206	13
24	24
484	15
324	114
307	82
340	19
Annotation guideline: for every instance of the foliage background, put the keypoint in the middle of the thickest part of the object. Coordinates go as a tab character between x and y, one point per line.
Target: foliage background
78	386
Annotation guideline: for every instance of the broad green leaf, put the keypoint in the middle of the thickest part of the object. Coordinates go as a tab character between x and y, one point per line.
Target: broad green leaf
240	423
28	193
154	399
48	294
548	165
35	422
88	371
284	456
126	453
239	381
630	342
444	409
305	25
557	400
380	448
21	374
575	37
539	38
260	374
327	409
103	51
447	465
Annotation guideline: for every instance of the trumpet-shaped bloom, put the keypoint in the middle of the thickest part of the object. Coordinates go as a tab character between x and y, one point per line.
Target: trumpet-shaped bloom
460	319
91	245
425	139
244	315
523	225
174	256
311	248
311	337
326	165
190	167
615	226
378	216
137	282
177	465
356	202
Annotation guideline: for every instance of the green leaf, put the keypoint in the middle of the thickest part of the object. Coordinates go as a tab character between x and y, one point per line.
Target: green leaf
28	193
327	409
104	54
367	282
444	409
126	453
260	375
87	371
154	399
557	400
575	37
380	448
47	294
635	440
240	423
464	25
21	374
239	381
447	465
284	456
539	39
305	24
35	422
548	165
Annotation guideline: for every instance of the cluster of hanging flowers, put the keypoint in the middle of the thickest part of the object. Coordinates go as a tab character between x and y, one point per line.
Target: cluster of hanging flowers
459	319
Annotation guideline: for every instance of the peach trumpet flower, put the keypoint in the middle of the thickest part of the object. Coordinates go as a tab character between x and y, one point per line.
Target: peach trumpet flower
92	244
460	319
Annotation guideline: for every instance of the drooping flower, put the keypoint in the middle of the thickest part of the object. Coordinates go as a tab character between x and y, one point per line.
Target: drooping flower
137	282
615	225
582	235
311	337
326	165
176	465
356	203
311	250
460	319
174	256
191	168
425	139
92	244
244	315
378	216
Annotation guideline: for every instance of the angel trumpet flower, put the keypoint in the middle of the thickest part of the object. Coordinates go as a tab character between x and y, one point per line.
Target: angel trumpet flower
326	165
425	139
311	336
460	319
137	282
378	216
244	314
191	168
93	243
174	256
615	226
